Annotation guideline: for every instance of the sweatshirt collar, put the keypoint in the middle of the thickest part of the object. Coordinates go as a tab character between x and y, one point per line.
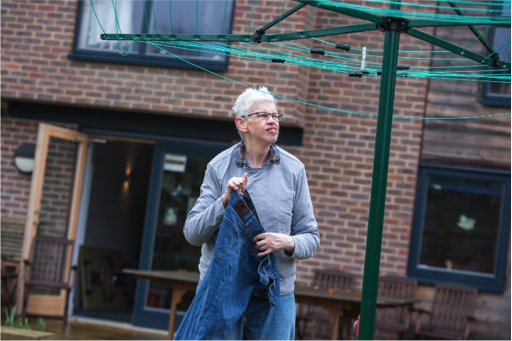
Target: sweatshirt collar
241	161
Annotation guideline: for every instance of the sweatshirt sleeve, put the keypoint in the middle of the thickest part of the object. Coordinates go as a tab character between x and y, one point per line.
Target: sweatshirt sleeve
304	229
207	213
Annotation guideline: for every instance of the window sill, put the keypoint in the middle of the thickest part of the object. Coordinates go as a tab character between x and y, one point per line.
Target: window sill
482	282
501	103
170	62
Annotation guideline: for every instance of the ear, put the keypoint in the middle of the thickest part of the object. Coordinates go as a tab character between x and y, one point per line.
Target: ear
241	124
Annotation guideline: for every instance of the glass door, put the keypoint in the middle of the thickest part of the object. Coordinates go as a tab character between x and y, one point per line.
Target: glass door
178	172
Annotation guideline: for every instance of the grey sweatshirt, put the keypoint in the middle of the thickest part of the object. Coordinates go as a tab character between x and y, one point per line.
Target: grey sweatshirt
280	193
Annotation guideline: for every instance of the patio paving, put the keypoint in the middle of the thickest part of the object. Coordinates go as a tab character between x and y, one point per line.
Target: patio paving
95	330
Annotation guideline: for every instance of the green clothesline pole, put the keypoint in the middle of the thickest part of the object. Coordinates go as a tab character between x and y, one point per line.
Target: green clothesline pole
379	181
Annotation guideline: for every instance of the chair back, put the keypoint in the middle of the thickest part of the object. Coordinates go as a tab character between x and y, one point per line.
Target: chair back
323	279
451	307
48	260
396	318
398	287
333	279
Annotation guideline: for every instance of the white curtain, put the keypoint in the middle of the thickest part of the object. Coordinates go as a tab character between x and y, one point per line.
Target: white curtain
104	9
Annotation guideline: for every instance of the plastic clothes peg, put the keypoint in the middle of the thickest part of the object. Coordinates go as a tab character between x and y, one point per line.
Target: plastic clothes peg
363	60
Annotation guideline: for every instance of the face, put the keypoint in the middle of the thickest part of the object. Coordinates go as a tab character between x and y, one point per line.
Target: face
265	131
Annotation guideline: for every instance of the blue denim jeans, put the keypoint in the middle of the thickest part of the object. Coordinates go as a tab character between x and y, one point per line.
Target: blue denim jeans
236	277
268	323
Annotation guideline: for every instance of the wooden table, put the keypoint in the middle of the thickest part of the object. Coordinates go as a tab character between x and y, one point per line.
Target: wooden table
179	282
335	303
348	303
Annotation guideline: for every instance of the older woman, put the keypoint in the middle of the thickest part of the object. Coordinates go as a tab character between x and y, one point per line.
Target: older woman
276	181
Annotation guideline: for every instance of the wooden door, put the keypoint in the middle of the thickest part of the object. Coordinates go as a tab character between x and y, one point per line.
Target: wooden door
53	206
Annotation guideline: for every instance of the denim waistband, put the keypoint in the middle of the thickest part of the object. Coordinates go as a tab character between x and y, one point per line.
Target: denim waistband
243	205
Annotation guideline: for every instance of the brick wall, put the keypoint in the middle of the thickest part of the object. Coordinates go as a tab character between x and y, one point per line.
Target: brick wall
15	187
38	36
59	175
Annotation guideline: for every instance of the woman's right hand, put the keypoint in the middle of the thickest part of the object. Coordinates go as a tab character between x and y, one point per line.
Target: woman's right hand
234	184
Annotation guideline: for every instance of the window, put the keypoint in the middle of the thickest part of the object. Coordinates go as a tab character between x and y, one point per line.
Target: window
139	16
498	94
461	227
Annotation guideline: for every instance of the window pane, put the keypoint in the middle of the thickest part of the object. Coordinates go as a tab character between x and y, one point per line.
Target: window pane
182	176
461	224
501	37
129	16
210	18
505	9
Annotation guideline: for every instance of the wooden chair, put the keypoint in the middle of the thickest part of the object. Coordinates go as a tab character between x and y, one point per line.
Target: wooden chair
47	268
396	319
451	315
9	281
324	279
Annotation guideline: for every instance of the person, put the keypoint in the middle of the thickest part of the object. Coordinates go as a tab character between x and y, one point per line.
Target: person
276	181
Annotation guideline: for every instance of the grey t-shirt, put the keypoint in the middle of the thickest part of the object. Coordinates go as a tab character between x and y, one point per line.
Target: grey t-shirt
280	193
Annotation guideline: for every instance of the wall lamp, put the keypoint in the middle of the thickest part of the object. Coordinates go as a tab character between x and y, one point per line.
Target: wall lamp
24	158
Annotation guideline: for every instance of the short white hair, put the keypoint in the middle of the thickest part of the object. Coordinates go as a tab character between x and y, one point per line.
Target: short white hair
248	98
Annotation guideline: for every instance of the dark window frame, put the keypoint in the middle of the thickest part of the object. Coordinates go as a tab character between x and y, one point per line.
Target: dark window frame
488	98
485	282
141	57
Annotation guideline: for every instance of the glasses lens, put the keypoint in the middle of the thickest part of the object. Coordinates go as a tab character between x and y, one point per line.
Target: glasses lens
277	117
263	116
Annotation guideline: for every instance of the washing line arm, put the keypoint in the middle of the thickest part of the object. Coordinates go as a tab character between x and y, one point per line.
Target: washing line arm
437	23
150	37
241	37
457	49
473	29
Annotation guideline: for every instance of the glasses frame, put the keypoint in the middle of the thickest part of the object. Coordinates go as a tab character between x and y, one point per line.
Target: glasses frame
274	116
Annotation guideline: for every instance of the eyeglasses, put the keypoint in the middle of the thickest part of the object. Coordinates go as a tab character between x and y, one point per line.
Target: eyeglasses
263	116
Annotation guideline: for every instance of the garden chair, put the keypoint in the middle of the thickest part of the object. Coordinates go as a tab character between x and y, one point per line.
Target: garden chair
395	319
9	281
47	269
451	314
324	279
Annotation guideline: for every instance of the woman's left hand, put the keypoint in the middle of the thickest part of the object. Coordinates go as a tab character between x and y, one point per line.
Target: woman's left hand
270	242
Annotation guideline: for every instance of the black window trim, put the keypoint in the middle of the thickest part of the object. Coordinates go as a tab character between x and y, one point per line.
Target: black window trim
485	282
141	58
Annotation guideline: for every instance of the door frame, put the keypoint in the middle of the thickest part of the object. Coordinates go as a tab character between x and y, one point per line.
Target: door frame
44	304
